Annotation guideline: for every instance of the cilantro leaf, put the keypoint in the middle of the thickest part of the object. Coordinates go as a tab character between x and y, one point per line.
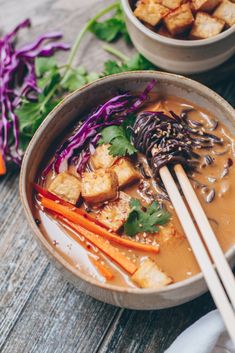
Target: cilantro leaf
112	67
119	138
77	78
110	133
111	28
107	30
92	76
43	65
120	146
137	62
31	115
139	221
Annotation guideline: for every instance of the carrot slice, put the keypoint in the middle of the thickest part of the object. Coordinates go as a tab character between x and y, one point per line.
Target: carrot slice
43	192
95	228
103	245
102	269
3	169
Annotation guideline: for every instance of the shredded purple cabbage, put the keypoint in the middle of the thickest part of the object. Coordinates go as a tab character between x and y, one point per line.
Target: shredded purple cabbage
78	148
17	81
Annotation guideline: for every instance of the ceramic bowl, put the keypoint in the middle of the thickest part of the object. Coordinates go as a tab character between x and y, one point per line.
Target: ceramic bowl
63	116
179	56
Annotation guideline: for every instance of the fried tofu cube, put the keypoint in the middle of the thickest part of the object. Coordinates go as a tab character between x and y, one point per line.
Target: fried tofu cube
169	235
67	187
101	159
171	4
205	5
150	11
206	26
149	275
114	214
179	20
226	12
99	186
126	172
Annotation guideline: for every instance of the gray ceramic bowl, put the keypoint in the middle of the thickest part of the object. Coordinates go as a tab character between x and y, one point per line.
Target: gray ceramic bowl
180	56
66	114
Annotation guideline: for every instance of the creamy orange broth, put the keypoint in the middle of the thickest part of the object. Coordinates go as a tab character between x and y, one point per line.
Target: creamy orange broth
175	256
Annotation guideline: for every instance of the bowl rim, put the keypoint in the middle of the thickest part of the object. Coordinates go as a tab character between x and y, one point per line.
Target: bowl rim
29	215
172	41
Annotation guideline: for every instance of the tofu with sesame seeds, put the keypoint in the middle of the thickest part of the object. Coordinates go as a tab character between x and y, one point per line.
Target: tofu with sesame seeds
179	20
150	11
67	187
169	235
115	213
205	5
101	159
126	172
206	26
99	186
149	275
226	12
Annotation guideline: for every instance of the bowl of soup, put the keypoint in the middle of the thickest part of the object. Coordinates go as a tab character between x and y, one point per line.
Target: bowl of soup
179	36
92	194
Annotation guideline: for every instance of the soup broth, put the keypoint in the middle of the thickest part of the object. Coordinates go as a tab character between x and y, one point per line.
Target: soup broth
213	182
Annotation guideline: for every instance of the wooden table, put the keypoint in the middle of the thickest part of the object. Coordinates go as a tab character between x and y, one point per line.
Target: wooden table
40	311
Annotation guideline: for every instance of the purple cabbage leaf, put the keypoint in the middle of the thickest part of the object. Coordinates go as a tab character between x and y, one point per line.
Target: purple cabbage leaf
18	85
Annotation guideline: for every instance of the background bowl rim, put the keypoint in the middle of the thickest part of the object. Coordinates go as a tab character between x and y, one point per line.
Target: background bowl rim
29	215
172	41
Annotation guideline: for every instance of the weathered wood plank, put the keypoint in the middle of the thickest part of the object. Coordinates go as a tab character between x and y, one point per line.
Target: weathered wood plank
153	331
22	264
58	318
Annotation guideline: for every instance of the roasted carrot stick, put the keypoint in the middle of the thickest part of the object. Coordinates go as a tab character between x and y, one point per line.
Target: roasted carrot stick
102	269
95	228
43	192
3	169
103	245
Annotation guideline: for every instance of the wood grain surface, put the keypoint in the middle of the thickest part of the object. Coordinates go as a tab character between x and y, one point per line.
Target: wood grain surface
40	312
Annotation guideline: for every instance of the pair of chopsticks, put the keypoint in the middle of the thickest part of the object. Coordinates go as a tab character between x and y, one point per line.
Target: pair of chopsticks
220	280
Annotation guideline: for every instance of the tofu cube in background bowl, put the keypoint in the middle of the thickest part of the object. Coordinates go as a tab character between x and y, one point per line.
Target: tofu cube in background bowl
205	5
179	20
150	12
226	12
205	49
171	4
206	26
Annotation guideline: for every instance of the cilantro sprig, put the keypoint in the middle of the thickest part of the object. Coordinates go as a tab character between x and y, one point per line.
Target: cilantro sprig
111	28
148	220
119	138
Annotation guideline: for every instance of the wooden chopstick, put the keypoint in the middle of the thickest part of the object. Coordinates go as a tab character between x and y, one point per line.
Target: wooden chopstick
207	233
202	257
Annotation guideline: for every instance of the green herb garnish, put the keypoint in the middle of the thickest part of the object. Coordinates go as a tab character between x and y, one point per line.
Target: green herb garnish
137	62
111	28
119	138
140	220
